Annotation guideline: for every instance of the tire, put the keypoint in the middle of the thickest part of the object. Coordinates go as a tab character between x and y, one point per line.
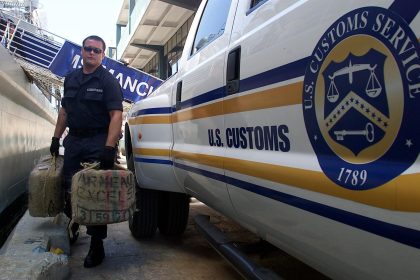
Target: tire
173	213
144	221
130	165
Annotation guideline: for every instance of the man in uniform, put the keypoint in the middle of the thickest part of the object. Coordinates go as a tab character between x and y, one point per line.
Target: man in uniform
92	110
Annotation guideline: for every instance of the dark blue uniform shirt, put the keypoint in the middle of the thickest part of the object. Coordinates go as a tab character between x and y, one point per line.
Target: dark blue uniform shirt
89	98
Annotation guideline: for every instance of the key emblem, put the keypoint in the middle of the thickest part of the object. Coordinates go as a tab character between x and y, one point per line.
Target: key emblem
369	133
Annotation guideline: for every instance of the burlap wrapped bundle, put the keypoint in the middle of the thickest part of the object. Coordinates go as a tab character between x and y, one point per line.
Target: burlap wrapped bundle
101	197
44	187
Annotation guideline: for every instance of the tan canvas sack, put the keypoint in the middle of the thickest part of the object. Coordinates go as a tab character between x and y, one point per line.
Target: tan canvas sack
102	196
44	187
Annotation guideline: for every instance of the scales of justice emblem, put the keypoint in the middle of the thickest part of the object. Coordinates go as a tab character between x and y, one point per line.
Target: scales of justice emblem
356	113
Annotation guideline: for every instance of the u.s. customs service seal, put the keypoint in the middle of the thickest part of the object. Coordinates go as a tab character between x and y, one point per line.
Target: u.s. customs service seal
361	98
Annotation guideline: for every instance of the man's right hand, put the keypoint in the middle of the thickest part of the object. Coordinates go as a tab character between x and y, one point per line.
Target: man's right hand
107	157
55	146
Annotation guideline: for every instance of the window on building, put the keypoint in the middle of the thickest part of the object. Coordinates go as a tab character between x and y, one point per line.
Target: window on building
173	48
212	23
152	67
172	51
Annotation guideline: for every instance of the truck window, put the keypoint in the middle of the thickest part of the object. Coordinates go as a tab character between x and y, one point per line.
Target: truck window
212	23
256	2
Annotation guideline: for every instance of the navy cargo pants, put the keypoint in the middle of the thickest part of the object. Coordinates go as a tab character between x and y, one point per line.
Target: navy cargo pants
79	149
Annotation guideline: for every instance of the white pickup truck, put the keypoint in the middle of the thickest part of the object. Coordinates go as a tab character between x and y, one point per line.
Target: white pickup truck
298	119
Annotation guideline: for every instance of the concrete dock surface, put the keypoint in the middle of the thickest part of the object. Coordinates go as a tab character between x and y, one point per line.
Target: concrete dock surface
186	257
39	248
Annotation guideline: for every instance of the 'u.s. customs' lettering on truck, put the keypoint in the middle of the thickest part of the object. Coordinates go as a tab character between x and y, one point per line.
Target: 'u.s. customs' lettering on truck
214	137
269	138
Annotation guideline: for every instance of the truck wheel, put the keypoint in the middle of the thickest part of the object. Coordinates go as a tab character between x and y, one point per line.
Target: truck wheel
143	222
173	213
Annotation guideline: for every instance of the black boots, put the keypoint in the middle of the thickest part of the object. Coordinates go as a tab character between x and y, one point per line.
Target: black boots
96	253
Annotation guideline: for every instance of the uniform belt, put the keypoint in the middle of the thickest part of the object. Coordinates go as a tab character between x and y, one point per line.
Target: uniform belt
87	132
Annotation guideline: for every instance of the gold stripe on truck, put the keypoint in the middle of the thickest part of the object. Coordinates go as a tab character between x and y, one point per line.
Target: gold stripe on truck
277	97
400	194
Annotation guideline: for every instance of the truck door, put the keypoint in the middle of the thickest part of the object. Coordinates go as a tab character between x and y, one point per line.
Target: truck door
199	90
259	108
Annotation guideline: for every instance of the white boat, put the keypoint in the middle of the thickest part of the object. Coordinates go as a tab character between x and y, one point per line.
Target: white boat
27	120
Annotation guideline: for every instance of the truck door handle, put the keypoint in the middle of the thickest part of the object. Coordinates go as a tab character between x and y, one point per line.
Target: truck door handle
233	71
178	95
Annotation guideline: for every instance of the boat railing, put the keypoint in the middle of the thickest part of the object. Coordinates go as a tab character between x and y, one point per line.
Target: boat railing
34	49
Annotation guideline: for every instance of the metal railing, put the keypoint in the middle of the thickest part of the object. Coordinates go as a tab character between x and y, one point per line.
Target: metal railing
34	49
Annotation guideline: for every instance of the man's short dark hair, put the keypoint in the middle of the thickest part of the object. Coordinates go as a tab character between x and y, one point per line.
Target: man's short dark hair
96	38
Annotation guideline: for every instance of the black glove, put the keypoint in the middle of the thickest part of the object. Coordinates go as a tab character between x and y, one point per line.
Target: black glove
55	145
107	157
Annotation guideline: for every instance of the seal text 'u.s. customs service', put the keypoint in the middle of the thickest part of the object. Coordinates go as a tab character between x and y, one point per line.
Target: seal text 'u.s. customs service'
361	86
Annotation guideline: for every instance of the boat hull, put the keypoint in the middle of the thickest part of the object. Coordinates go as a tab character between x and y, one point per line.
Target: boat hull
27	120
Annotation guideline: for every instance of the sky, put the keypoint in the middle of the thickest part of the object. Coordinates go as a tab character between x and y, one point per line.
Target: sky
76	19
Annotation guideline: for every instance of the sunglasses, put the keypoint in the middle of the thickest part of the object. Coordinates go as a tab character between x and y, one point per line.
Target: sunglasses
95	50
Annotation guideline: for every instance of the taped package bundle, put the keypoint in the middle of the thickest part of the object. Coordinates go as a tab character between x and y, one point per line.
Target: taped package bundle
101	197
44	187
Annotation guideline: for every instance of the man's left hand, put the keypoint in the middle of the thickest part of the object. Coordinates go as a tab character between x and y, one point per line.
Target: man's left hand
107	157
55	146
